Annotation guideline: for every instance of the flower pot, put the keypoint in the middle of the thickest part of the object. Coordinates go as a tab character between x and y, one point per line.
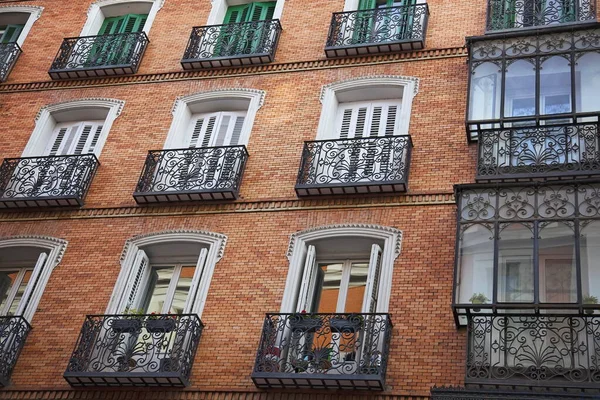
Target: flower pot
343	325
160	325
126	325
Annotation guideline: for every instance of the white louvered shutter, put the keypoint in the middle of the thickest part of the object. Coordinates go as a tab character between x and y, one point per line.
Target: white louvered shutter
35	275
216	129
368	119
372	289
310	266
191	298
74	138
136	283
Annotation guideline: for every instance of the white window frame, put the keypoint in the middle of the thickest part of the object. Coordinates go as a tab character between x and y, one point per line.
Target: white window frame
95	16
45	123
327	123
352	5
182	115
391	237
54	248
219	9
214	241
34	14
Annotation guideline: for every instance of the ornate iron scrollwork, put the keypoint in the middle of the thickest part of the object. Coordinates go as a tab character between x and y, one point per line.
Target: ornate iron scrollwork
9	52
13	332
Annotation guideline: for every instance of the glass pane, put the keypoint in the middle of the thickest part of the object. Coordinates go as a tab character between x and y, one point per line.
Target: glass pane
555	86
20	292
182	290
7	280
484	101
515	264
590	265
356	287
519	99
587	81
327	289
157	289
476	263
558	279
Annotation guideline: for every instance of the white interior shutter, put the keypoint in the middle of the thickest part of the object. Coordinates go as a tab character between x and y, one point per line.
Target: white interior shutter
208	131
82	140
391	120
345	122
197	129
372	289
237	130
310	266
57	139
136	282
95	138
368	119
37	270
191	298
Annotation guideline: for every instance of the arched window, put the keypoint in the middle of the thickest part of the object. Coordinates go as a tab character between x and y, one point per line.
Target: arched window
225	12
120	16
16	21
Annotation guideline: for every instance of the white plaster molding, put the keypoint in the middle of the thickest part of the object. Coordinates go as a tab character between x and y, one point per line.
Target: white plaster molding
219	9
296	253
82	103
104	3
55	249
96	17
182	114
214	241
34	14
366	81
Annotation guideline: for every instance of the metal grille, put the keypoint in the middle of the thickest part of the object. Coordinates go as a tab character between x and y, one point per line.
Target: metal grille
13	332
9	52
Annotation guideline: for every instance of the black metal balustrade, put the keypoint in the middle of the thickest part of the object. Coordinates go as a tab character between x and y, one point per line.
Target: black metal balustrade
135	350
381	30
232	45
98	56
539	151
207	173
13	332
323	351
534	350
360	165
46	181
9	52
517	14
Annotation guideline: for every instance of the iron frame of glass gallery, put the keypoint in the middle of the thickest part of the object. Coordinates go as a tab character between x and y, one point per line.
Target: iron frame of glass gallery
473	127
535	307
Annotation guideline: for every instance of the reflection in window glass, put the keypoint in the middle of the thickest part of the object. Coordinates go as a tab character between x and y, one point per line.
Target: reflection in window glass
515	264
7	280
182	290
19	294
587	81
476	263
327	289
590	260
486	85
356	287
557	263
520	96
555	86
157	289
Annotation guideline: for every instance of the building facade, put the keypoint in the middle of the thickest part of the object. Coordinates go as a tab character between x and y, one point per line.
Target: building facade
261	200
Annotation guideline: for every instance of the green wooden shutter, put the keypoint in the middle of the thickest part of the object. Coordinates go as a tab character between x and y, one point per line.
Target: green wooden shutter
134	23
237	14
366	4
262	11
111	25
10	33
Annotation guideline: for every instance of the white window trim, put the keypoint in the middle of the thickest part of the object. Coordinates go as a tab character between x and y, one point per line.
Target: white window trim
181	112
96	17
219	9
352	5
55	248
216	245
327	128
34	14
297	249
45	123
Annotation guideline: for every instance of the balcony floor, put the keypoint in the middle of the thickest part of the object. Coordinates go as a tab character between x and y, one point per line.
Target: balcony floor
174	197
268	380
350	188
126	379
92	72
42	201
374	48
241	60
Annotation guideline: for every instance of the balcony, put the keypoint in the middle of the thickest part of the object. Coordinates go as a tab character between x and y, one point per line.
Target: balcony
135	350
539	151
350	166
13	332
381	30
525	350
53	181
207	173
99	56
9	52
323	351
232	45
505	15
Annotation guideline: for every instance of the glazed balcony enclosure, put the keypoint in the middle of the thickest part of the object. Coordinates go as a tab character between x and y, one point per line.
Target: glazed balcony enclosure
135	350
505	15
358	165
13	333
323	351
207	173
380	30
99	56
9	52
232	45
48	181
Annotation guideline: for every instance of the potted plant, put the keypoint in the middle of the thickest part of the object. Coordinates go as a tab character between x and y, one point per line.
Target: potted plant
346	323
588	299
478	298
130	322
304	322
160	323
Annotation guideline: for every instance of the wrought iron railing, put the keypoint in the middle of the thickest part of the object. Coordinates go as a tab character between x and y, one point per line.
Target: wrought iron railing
537	151
534	350
112	54
50	180
379	25
185	172
135	350
323	350
9	52
13	332
256	39
359	162
514	14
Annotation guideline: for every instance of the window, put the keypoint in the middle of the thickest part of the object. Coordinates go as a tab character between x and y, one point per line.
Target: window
368	119
16	22
120	16
228	12
74	138
10	33
129	23
216	129
527	13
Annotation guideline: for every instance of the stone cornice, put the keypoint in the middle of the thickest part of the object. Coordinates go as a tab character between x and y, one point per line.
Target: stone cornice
175	76
199	208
